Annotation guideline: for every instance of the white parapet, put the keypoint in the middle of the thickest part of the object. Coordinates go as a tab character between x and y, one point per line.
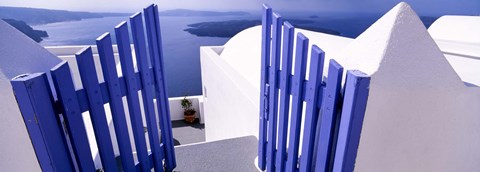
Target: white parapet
459	39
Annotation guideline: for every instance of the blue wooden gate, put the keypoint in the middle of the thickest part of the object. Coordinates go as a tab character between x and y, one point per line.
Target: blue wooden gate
53	114
332	118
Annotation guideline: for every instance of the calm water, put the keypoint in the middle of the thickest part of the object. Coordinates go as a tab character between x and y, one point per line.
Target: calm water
181	49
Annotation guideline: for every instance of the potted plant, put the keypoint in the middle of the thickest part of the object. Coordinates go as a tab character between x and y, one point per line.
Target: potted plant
188	111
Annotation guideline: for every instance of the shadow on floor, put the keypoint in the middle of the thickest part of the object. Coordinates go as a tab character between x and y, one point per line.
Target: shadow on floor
185	133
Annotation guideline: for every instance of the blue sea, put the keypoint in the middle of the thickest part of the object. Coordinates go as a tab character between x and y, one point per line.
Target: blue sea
181	49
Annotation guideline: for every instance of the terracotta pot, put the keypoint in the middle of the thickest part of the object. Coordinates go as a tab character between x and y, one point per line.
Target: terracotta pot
189	118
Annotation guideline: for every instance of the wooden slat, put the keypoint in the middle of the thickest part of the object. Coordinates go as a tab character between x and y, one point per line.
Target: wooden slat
353	111
169	146
154	54
89	79
287	55
35	101
155	40
82	95
311	112
105	51
297	103
273	96
325	147
138	34
62	79
128	71
266	36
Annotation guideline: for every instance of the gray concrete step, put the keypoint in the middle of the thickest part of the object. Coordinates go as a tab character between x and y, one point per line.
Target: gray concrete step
232	155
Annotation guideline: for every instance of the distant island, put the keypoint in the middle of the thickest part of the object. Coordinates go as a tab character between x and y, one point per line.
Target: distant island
228	29
21	18
36	35
35	16
185	12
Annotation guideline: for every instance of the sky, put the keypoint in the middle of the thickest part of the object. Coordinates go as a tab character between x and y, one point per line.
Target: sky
465	7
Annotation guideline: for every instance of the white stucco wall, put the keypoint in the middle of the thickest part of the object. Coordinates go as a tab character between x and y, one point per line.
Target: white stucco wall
229	100
456	29
419	113
18	55
420	116
458	38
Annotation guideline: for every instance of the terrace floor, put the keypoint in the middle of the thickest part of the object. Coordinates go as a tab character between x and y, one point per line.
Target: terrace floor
184	133
232	155
193	154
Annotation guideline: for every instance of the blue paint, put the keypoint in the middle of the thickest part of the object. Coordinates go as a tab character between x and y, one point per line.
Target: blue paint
287	55
105	51
273	91
311	112
265	63
329	117
157	58
62	80
149	80
297	102
35	101
136	23
320	131
132	86
353	112
88	75
82	95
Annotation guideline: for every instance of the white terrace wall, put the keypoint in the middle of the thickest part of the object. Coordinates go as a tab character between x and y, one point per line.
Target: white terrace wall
420	116
230	102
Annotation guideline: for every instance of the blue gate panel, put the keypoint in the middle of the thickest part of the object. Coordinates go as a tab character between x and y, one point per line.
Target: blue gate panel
132	87
109	69
136	23
44	126
62	79
297	101
89	79
312	93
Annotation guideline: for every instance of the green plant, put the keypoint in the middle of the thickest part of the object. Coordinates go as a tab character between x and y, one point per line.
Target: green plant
187	107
